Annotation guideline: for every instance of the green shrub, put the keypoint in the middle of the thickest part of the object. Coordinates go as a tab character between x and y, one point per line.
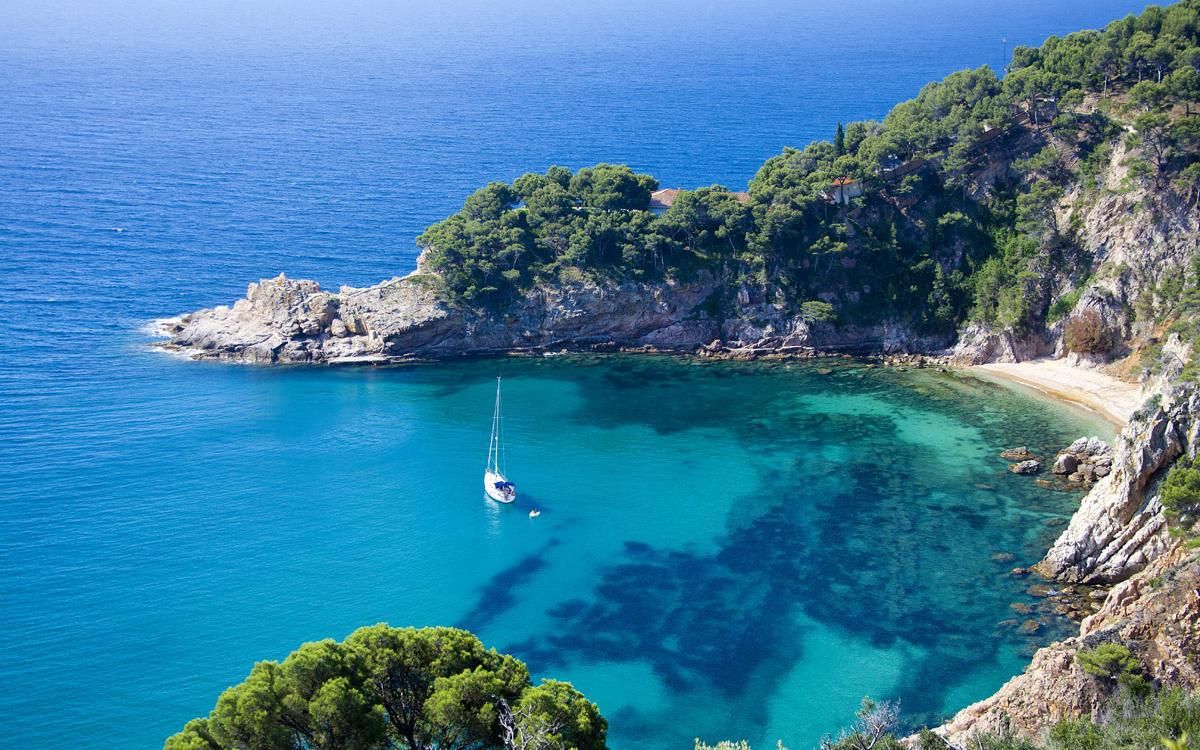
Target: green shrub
1180	490
1076	734
1115	663
1066	303
817	311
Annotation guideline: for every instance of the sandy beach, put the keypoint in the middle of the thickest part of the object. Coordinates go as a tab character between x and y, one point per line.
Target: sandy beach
1114	399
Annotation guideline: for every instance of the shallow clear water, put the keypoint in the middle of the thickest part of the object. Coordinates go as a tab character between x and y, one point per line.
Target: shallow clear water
726	550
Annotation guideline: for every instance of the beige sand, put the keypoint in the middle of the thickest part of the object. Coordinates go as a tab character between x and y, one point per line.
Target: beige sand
1115	400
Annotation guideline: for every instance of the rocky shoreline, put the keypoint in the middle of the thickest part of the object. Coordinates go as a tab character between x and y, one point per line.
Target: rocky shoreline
410	318
1118	543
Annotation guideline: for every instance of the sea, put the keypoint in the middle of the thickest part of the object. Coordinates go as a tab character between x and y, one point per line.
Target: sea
725	550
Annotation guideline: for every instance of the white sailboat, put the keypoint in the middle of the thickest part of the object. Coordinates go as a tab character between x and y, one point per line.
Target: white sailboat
495	484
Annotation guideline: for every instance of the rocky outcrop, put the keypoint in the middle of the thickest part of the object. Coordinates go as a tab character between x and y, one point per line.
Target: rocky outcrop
1156	614
979	345
283	320
1084	460
286	320
1119	526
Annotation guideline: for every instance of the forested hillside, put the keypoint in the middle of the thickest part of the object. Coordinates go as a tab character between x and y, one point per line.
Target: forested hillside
963	204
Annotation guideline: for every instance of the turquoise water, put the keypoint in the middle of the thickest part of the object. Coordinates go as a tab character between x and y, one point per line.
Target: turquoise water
726	550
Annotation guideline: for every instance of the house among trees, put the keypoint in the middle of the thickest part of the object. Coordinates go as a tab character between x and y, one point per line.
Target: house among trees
661	200
842	190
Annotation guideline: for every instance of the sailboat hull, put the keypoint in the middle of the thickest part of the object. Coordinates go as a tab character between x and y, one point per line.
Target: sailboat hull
500	495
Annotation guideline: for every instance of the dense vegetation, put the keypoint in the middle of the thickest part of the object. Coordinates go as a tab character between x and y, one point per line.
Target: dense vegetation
385	688
1180	496
955	220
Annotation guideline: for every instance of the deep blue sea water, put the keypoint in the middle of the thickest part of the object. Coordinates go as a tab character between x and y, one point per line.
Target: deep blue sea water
726	550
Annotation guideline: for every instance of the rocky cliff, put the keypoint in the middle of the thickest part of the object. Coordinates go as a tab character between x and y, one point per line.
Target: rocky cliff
1118	537
1132	240
1119	527
1128	240
283	320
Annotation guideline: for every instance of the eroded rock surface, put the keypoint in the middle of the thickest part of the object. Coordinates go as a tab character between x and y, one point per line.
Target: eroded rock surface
1119	526
284	320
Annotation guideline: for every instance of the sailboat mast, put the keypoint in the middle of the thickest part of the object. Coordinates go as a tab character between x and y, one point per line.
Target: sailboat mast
494	442
500	452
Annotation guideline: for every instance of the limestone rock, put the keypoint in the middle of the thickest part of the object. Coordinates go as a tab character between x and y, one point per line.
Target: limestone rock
283	320
1119	526
1025	467
1065	464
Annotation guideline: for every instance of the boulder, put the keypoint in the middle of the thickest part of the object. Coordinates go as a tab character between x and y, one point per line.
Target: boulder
1089	447
1065	464
1025	467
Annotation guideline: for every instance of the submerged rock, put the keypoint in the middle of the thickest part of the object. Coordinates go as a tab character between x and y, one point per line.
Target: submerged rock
1016	454
1025	467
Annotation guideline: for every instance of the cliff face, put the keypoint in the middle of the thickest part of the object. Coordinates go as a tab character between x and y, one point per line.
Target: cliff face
1134	240
1119	526
284	320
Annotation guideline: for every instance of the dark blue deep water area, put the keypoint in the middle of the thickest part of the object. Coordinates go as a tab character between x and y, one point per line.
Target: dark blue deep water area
725	550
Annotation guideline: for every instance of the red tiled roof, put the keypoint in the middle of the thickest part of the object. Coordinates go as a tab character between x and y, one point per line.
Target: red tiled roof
664	198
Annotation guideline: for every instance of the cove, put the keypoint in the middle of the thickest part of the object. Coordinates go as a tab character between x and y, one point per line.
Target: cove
725	549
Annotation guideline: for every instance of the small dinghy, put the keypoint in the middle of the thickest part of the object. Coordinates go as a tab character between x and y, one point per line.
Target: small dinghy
534	513
495	484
